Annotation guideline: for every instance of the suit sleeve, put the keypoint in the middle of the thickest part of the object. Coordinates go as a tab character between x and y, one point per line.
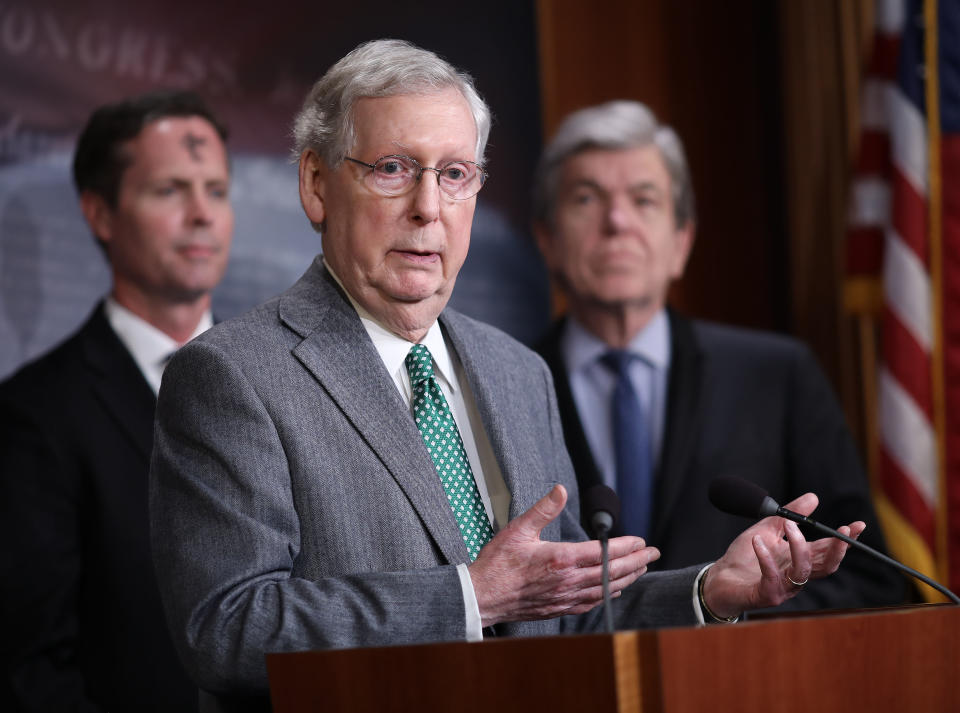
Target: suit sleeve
226	540
822	458
40	567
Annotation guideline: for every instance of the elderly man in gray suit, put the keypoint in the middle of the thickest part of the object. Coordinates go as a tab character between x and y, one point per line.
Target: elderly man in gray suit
352	464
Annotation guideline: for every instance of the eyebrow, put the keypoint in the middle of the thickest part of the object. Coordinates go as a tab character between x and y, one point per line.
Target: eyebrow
590	183
178	180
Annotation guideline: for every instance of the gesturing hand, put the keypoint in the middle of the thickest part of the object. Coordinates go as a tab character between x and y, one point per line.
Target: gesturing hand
519	577
760	569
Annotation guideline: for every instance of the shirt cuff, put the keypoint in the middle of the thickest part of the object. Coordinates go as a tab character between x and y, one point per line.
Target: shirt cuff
697	608
471	609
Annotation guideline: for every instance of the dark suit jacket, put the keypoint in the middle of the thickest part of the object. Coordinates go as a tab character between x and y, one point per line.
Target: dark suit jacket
82	624
294	505
757	406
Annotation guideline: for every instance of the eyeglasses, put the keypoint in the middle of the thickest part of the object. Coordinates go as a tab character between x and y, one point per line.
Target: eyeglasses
395	175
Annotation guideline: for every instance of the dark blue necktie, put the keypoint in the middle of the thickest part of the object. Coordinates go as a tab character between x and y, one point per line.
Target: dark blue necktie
632	447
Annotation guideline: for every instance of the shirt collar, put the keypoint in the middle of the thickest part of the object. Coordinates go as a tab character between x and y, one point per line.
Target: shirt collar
582	348
150	347
142	339
393	349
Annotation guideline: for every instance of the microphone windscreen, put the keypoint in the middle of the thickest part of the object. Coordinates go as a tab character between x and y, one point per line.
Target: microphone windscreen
600	498
737	496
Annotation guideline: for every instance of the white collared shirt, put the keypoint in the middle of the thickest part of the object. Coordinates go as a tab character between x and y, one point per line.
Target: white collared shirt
150	348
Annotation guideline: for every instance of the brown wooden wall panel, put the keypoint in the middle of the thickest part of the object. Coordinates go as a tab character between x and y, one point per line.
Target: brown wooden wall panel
764	95
710	70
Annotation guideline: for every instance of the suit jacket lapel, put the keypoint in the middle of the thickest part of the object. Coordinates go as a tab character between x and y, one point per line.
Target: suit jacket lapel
500	412
339	354
117	382
682	424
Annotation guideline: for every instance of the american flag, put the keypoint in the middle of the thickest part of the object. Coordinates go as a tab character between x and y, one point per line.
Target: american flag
904	234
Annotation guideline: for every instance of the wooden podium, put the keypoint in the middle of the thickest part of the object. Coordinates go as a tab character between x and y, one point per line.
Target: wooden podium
904	661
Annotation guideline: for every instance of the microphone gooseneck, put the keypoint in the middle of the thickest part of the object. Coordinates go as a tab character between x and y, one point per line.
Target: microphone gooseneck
737	496
602	508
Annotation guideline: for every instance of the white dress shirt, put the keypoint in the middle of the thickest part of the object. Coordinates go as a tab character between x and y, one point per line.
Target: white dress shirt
150	348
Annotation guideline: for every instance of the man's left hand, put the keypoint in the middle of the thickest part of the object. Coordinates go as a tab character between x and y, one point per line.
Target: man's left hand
770	562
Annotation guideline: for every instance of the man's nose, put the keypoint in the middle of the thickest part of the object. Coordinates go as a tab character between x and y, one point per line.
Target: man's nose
199	209
616	216
426	201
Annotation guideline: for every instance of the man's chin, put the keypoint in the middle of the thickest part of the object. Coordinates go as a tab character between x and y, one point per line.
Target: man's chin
416	291
408	313
191	293
620	300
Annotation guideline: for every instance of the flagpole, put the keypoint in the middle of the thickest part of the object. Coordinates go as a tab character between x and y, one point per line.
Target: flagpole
935	234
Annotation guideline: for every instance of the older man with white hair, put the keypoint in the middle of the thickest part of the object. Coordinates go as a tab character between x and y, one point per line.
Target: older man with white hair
656	405
353	464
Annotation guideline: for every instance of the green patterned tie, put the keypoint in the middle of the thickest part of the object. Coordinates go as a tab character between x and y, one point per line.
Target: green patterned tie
442	438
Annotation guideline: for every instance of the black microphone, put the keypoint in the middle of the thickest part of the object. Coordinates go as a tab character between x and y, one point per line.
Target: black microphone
737	496
602	508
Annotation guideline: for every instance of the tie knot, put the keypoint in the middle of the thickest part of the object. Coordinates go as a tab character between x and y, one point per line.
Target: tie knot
419	363
618	361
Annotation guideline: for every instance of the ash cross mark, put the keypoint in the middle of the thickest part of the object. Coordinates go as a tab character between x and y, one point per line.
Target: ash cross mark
192	144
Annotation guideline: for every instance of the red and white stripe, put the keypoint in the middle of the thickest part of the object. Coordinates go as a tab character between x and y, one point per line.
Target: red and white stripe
908	438
889	199
869	208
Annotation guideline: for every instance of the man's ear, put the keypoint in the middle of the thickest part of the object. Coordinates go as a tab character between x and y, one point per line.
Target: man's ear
685	238
98	214
313	186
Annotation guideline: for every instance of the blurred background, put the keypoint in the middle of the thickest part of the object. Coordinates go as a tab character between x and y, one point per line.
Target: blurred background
784	107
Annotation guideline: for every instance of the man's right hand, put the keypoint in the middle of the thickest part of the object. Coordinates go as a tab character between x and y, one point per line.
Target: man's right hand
519	577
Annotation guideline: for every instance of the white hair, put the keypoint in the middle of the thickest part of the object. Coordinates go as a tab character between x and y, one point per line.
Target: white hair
615	125
381	68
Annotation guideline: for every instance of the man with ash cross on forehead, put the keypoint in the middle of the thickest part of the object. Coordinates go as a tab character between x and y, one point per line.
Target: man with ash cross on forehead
81	615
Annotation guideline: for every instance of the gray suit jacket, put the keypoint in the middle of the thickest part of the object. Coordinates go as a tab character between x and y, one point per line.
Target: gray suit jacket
293	505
